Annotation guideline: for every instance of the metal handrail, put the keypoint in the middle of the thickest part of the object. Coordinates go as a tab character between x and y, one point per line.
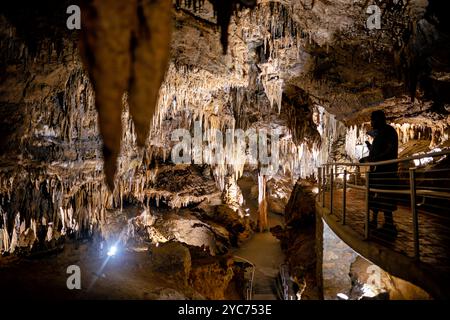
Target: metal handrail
419	192
379	163
249	292
326	177
284	281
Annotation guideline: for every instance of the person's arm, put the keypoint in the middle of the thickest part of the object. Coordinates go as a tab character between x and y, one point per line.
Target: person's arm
364	159
389	148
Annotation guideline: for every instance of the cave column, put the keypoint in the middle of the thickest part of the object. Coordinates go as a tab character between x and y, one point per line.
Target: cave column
262	203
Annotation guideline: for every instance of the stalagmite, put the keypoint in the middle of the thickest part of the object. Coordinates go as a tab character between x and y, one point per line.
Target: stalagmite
262	204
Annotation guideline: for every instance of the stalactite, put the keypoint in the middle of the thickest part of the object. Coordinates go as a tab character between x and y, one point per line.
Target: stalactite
63	197
437	134
356	136
223	10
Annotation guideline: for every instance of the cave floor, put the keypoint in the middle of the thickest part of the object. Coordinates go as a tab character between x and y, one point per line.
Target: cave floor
124	276
264	251
434	235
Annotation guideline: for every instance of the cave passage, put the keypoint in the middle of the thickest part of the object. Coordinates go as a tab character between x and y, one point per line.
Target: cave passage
263	250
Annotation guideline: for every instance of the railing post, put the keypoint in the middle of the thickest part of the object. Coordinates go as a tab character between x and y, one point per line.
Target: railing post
323	186
357	175
319	181
415	218
331	189
367	206
344	196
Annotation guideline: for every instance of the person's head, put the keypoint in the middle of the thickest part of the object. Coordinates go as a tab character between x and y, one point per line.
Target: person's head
378	119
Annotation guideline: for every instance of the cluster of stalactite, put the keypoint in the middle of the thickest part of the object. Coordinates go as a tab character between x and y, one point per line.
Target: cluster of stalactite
51	179
356	136
51	182
276	41
222	105
437	135
281	40
192	97
223	10
64	200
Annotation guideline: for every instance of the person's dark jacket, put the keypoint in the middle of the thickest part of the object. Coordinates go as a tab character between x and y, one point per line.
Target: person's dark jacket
384	147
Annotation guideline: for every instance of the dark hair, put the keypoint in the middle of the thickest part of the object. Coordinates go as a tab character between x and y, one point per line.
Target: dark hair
379	116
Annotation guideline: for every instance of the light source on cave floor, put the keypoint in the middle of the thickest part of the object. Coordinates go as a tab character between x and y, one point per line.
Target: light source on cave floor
112	251
368	291
315	190
247	212
342	296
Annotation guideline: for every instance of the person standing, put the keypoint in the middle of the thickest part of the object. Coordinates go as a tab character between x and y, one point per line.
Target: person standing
384	147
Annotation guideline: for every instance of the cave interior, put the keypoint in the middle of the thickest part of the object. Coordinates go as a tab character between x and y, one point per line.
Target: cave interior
167	149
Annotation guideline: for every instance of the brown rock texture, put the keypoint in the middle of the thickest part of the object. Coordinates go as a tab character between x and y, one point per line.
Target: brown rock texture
298	239
211	276
173	259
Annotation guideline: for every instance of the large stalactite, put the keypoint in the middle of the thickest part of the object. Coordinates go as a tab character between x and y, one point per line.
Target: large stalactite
129	54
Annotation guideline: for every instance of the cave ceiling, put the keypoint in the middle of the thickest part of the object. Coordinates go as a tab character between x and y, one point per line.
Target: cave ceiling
283	57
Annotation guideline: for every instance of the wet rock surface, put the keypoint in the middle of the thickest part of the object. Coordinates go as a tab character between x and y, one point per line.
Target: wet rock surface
279	191
298	239
172	259
211	277
371	280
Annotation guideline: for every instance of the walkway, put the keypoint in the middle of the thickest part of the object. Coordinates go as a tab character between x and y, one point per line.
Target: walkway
434	230
264	250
